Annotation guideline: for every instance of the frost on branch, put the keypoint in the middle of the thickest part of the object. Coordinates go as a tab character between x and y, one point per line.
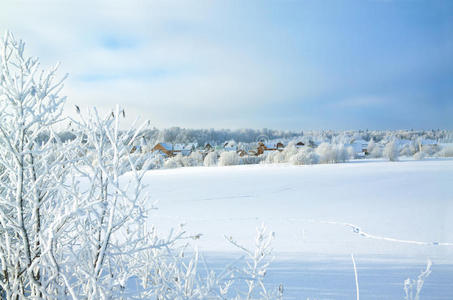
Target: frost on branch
179	273
412	287
109	227
257	261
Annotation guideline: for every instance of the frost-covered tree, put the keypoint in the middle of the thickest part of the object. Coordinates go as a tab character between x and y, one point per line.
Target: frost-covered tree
211	159
229	158
194	159
371	146
305	156
391	151
329	153
250	160
32	160
109	228
275	157
174	162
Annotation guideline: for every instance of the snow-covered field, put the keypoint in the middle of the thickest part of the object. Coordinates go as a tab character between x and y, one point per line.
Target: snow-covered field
306	206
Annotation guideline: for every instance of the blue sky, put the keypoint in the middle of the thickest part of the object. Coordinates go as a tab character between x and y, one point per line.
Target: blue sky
234	64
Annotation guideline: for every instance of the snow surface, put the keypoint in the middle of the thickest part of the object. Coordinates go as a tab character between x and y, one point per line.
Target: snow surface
406	200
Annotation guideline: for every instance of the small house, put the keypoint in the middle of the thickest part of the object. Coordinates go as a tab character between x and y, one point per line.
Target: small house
263	147
207	147
184	150
300	144
172	149
164	148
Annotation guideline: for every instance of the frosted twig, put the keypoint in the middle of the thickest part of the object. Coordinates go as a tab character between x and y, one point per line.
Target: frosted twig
356	277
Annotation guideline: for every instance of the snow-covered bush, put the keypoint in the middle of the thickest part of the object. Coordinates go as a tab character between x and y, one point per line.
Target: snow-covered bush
274	157
250	160
305	156
176	161
325	153
289	151
211	159
179	160
194	159
329	153
147	160
391	151
229	158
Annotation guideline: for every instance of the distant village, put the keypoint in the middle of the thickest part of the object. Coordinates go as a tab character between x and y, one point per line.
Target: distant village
178	147
360	147
169	150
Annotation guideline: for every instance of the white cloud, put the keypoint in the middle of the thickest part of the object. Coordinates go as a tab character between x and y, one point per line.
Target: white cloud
202	63
194	69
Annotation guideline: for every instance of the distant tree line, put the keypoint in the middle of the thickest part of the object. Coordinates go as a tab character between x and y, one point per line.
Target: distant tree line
178	135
